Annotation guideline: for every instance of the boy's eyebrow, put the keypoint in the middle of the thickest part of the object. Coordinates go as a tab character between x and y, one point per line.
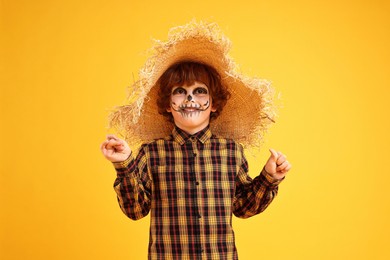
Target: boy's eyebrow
197	85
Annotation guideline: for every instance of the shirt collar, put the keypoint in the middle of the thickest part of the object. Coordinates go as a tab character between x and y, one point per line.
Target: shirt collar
181	136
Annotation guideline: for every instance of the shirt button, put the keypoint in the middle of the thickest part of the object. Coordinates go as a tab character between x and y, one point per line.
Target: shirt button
197	183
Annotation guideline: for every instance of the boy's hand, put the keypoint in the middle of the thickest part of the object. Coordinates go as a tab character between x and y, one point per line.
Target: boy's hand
277	165
115	149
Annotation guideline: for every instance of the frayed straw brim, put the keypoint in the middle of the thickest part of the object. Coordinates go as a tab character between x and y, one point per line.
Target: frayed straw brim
246	115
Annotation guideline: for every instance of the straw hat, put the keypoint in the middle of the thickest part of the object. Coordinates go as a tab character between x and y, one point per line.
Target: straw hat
246	115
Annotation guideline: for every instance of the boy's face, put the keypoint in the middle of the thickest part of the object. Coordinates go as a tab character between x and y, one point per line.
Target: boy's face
191	107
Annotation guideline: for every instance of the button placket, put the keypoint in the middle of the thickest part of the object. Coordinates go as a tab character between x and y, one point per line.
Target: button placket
195	174
198	191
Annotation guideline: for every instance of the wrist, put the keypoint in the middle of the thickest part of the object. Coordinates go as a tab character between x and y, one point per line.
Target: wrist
272	177
123	163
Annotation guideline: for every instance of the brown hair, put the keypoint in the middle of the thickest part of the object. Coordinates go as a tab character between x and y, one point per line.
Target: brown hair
186	73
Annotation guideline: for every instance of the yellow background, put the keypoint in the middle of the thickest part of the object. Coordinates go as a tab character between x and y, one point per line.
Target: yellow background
64	64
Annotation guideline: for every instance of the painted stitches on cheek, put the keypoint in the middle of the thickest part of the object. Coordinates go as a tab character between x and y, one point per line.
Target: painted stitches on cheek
190	101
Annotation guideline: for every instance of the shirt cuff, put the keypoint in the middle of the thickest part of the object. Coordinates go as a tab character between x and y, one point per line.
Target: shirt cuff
270	179
124	164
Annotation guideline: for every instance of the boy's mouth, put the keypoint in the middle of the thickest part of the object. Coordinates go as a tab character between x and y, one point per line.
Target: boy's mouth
189	111
192	107
189	105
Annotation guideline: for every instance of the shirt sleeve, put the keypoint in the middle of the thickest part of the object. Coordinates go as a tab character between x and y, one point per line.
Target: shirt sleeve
133	186
253	196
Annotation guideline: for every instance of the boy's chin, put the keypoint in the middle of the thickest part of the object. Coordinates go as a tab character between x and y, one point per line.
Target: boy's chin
191	115
193	121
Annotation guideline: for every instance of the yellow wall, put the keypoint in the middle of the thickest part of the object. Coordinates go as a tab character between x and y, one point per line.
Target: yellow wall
66	63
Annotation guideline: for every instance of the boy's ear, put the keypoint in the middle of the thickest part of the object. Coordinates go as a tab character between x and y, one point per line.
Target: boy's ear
169	109
213	108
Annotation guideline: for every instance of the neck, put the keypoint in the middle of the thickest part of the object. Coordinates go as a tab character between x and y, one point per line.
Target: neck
192	130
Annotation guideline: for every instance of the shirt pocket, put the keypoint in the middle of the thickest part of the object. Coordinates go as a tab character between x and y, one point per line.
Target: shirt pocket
169	184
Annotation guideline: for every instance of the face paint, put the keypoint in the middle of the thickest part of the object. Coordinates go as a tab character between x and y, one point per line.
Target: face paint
190	101
191	107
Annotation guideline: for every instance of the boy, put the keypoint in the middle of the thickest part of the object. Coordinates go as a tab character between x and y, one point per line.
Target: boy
191	181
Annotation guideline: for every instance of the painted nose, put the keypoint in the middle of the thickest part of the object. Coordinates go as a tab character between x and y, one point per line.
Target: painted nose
189	97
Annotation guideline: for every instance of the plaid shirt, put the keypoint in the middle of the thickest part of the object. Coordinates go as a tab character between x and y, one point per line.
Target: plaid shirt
191	185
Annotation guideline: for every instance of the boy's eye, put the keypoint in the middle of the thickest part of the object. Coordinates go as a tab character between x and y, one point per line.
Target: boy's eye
179	91
200	90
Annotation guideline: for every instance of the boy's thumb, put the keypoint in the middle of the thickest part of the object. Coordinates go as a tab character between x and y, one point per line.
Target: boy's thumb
274	154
